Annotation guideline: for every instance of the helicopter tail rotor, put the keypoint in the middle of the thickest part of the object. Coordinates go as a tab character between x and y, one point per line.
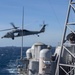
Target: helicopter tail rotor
43	28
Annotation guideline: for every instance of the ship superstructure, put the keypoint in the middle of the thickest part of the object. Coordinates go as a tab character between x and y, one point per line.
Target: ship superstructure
65	54
39	59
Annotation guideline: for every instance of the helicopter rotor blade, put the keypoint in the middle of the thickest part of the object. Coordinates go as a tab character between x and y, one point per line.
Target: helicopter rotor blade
14	25
6	29
10	28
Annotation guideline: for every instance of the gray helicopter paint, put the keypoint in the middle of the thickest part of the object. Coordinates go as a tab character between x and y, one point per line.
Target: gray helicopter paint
24	32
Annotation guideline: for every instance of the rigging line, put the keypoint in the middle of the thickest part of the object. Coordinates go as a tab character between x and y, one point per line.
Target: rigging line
55	15
72	13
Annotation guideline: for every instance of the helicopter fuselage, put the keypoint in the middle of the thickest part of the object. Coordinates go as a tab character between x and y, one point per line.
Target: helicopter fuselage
20	32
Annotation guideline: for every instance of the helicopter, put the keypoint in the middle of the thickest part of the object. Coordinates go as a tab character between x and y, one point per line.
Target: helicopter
15	32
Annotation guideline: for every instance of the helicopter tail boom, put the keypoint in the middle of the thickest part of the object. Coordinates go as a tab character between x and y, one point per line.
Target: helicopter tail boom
43	28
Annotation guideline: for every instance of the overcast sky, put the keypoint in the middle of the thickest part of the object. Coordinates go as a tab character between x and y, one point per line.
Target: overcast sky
53	12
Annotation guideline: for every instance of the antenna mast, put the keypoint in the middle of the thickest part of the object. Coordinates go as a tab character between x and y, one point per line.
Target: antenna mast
22	32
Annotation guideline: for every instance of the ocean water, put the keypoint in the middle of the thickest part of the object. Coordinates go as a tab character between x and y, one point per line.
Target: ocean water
8	57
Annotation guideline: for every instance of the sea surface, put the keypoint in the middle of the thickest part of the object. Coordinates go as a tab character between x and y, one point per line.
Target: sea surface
8	57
